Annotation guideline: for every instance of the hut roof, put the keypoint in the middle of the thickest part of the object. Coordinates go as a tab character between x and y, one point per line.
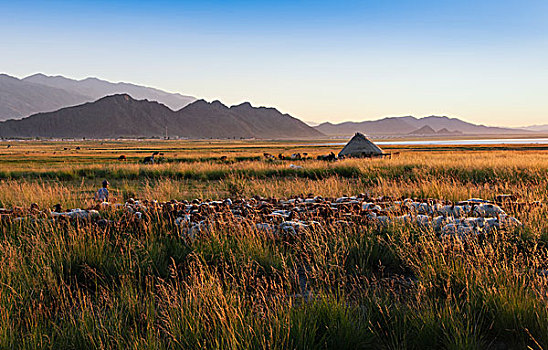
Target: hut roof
358	146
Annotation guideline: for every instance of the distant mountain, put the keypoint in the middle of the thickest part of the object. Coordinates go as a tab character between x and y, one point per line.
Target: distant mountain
386	126
22	98
536	128
444	131
405	125
311	123
425	130
203	119
122	116
96	88
265	121
41	93
437	123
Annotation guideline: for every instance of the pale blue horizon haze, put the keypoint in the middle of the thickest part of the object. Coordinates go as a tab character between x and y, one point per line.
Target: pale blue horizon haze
481	61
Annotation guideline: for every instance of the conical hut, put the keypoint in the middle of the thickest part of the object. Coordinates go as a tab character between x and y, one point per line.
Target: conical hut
360	146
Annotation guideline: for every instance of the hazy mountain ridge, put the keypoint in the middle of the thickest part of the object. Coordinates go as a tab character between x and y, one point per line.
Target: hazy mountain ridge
96	88
427	130
20	98
536	128
122	116
41	93
408	125
377	127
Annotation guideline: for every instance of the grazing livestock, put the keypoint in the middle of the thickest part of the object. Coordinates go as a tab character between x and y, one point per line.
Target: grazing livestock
150	160
488	210
296	156
286	217
268	156
330	157
122	158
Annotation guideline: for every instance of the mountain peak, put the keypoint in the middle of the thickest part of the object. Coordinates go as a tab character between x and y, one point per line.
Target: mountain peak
37	75
218	104
201	103
117	97
6	76
439	117
92	79
243	105
425	130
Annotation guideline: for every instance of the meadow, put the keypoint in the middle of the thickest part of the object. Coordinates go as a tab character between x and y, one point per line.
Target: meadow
147	286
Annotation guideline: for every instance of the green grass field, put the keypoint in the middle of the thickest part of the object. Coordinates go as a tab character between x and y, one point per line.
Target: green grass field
66	286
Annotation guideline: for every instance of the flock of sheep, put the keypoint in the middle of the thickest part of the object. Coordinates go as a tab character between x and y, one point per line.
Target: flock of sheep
291	216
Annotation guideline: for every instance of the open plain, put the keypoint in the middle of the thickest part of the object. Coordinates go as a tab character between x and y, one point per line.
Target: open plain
344	280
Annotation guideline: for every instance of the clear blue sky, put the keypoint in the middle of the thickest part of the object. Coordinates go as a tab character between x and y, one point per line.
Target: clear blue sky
483	61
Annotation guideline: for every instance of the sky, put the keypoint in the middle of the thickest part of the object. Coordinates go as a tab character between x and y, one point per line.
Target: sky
481	61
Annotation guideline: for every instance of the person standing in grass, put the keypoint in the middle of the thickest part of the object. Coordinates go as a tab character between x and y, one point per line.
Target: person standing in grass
102	193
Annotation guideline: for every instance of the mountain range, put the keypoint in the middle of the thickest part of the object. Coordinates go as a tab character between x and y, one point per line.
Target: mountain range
41	93
411	125
427	130
537	128
56	106
123	116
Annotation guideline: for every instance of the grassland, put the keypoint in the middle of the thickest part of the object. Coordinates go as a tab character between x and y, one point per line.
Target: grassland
83	286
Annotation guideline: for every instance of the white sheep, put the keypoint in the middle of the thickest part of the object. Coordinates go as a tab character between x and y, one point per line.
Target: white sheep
488	210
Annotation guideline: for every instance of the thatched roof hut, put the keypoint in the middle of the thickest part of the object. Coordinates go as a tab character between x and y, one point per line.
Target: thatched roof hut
360	146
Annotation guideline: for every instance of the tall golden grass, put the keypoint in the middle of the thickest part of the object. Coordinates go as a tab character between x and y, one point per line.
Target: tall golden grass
147	286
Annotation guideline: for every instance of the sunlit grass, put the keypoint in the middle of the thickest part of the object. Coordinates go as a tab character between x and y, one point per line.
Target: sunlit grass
82	286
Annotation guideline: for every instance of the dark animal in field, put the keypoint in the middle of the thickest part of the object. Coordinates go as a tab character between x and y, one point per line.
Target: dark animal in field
150	160
331	156
122	158
296	156
9	146
34	208
281	156
78	148
268	156
66	148
57	208
224	158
